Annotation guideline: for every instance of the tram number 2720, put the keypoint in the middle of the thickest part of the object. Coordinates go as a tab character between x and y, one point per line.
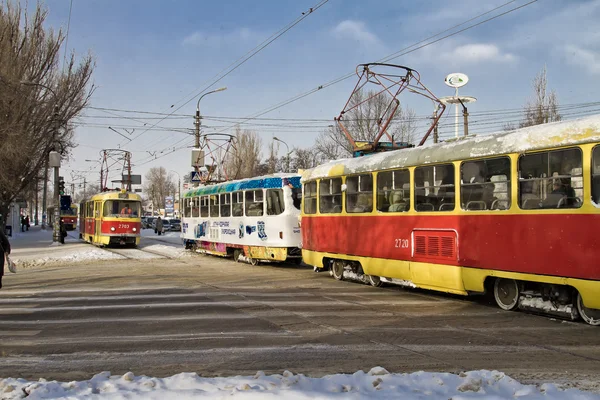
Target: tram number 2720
402	243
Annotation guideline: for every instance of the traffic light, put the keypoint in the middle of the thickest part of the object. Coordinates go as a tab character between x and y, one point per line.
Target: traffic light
61	185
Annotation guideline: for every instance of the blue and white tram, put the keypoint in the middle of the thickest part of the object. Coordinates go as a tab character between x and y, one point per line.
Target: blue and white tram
255	219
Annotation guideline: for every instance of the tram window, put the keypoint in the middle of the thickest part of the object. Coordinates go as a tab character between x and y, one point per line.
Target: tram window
596	175
226	205
393	191
204	206
434	188
359	193
310	198
195	207
330	196
551	179
275	201
237	201
213	201
485	184
297	197
120	208
254	203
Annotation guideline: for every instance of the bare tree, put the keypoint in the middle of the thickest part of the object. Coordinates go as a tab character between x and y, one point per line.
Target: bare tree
543	108
158	185
273	164
33	119
243	160
304	159
363	123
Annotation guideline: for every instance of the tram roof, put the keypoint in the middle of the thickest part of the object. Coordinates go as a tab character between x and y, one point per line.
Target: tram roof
556	134
115	195
259	182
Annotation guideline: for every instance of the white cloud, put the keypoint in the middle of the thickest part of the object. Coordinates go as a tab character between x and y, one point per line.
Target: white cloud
356	31
206	39
583	58
478	53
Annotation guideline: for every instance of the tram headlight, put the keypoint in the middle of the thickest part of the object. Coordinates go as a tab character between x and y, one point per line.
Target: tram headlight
112	229
134	229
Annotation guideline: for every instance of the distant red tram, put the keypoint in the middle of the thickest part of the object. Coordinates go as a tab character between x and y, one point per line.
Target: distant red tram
111	218
515	214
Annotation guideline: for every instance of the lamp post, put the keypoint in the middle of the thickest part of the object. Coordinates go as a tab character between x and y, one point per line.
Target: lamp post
287	156
178	190
52	161
198	117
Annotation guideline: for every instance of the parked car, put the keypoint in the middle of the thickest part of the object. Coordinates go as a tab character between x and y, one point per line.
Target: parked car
147	222
166	225
175	225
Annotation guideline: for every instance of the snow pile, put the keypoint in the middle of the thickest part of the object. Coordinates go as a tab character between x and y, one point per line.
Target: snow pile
66	255
377	384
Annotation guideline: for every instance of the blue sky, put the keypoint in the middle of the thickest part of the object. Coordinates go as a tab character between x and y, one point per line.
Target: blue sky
152	54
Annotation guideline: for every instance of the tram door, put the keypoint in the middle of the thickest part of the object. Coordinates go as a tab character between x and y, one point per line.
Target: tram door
97	219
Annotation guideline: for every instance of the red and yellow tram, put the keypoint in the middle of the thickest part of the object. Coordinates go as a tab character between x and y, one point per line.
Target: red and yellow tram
111	218
515	214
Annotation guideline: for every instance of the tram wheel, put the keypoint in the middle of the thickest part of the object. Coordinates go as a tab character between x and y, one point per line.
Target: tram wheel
589	315
236	255
338	270
375	281
254	261
506	293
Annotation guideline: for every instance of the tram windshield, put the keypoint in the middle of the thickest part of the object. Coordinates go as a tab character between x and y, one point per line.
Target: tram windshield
121	208
297	197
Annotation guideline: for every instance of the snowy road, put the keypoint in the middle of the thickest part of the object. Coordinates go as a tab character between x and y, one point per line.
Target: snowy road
162	316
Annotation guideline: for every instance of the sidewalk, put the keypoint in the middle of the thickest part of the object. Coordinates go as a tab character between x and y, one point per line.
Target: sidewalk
35	248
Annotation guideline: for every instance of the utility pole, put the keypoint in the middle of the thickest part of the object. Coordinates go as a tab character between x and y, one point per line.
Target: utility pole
45	195
55	163
435	128
84	187
198	117
37	197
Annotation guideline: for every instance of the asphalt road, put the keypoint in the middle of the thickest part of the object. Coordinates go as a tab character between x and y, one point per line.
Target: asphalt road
212	316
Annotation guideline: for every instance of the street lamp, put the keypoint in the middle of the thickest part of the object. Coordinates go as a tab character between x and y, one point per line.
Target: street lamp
178	190
55	158
197	123
287	156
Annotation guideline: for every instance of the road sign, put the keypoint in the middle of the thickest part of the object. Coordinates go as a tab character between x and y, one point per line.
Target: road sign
169	207
195	177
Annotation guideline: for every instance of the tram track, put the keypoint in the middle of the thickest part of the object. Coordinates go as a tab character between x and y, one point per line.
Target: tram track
137	253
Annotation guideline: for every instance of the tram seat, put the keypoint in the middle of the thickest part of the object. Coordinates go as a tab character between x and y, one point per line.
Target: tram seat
476	205
499	205
530	203
447	207
425	207
397	201
255	210
569	202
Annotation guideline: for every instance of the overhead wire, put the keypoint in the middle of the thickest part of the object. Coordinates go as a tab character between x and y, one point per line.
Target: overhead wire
248	56
407	50
397	54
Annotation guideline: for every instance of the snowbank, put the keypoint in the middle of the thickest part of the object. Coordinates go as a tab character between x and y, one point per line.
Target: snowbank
377	384
66	254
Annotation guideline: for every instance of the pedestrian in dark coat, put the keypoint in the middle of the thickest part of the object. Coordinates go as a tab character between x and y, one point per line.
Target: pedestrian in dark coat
4	249
27	222
159	226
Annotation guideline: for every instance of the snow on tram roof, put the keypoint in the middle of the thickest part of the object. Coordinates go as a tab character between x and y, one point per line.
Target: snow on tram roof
521	140
258	182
